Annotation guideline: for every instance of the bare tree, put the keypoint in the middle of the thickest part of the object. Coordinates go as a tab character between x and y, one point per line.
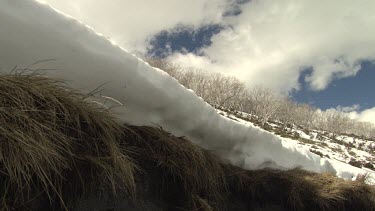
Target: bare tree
364	129
264	103
286	112
172	69
304	115
335	122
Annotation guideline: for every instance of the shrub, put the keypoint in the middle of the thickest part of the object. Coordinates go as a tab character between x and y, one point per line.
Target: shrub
317	152
355	163
369	166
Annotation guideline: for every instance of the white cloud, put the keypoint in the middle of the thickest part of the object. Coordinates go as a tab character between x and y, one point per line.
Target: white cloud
353	112
367	115
347	109
271	42
130	23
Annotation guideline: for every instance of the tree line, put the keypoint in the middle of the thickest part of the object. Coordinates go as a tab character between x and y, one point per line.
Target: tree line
261	103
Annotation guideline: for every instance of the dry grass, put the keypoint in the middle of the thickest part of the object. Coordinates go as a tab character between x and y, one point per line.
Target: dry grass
52	142
297	189
364	178
200	204
187	175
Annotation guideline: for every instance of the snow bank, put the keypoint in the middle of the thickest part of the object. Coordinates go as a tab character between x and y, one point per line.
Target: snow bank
31	32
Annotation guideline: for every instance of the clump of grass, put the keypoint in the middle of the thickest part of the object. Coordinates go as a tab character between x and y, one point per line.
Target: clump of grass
55	144
364	178
187	175
297	189
200	204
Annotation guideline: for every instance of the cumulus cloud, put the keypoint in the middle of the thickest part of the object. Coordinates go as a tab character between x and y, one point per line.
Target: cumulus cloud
354	112
271	42
132	23
347	109
367	115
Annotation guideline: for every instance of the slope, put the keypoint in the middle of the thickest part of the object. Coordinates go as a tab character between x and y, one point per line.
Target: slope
59	151
89	62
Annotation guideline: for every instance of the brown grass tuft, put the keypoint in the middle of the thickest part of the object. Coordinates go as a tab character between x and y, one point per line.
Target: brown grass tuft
297	189
51	141
185	173
200	204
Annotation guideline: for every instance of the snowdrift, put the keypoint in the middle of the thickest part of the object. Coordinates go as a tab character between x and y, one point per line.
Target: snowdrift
60	152
32	33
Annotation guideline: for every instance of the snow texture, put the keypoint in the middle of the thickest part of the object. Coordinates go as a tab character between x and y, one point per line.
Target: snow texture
31	32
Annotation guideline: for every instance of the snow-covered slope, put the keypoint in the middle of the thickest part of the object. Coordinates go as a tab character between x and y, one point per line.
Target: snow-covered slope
349	155
32	32
347	148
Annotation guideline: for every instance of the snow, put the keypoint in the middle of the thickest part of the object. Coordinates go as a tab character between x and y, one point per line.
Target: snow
31	32
337	160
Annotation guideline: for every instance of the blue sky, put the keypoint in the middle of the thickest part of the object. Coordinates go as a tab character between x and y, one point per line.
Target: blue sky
345	92
182	39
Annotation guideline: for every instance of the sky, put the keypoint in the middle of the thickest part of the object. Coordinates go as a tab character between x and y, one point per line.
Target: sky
317	52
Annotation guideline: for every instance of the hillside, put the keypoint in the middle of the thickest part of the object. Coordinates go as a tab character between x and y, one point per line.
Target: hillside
62	152
82	115
90	63
356	151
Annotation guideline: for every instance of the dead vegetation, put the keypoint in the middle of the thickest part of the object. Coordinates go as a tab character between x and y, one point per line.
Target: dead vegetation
54	144
189	176
297	189
56	148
